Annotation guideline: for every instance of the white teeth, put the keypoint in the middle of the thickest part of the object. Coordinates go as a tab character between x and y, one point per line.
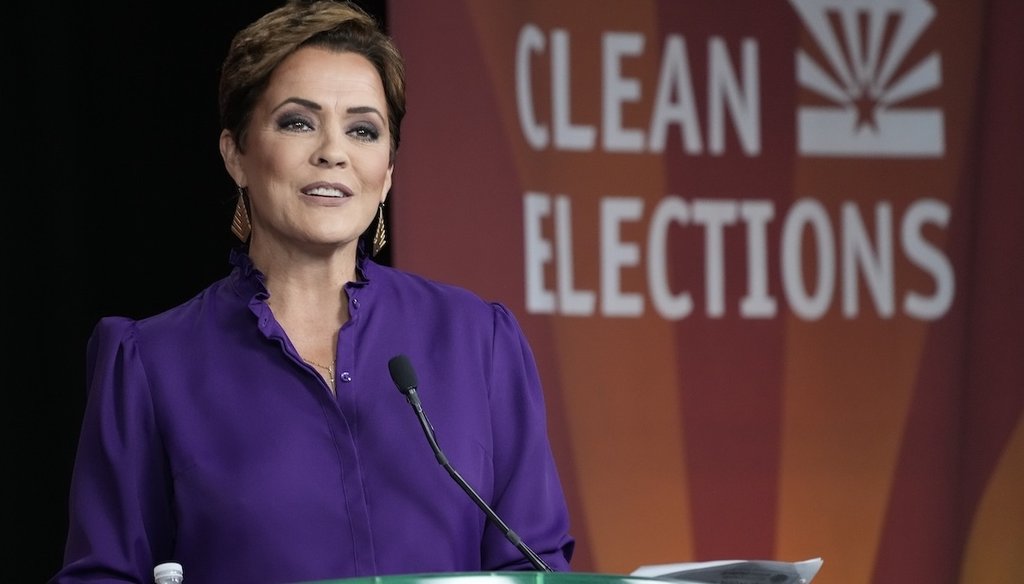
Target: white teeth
326	192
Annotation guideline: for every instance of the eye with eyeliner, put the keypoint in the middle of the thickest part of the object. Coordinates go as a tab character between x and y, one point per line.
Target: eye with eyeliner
365	131
295	123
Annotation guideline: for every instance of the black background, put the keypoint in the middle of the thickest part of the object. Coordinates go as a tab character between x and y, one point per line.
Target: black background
116	202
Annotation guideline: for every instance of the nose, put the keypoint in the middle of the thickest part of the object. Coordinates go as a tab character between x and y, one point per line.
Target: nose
331	149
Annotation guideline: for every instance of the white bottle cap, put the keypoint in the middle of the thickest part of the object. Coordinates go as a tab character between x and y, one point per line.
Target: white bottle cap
167	569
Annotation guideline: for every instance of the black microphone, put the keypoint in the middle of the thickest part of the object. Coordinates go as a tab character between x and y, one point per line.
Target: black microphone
405	378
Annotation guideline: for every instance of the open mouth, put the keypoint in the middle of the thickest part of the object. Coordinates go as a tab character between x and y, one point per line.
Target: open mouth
326	192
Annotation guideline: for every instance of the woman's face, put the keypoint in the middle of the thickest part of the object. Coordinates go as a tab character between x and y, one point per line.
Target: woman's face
316	161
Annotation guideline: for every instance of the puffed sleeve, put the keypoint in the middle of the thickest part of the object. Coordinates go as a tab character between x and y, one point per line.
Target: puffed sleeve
528	494
120	518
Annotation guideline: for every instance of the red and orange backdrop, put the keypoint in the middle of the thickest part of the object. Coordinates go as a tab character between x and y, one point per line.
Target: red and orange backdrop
768	254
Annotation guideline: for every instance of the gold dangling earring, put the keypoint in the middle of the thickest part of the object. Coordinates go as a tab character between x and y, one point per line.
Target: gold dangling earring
380	237
240	224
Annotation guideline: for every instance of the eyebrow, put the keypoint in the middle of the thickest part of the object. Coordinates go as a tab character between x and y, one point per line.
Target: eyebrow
362	109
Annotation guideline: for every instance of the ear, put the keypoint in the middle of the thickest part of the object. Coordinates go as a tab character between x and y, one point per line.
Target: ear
232	157
387	185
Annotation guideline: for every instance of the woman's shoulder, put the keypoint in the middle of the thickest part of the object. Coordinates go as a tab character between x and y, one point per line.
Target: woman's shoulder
414	287
182	318
409	295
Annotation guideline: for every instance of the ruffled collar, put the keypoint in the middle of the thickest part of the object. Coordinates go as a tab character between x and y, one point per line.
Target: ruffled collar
251	282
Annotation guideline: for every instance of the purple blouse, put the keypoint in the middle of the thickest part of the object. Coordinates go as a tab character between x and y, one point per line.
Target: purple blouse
208	441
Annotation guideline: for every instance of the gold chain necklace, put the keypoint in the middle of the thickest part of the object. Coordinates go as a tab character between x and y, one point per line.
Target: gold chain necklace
328	368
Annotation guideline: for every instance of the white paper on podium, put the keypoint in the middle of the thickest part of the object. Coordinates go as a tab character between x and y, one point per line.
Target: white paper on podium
734	571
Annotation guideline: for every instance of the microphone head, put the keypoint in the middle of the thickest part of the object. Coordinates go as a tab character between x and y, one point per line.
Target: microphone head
402	374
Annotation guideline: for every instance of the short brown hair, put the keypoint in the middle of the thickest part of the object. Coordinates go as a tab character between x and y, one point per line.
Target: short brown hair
341	26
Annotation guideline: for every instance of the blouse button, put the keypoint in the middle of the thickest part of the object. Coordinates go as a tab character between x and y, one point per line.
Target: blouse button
355	302
346	376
